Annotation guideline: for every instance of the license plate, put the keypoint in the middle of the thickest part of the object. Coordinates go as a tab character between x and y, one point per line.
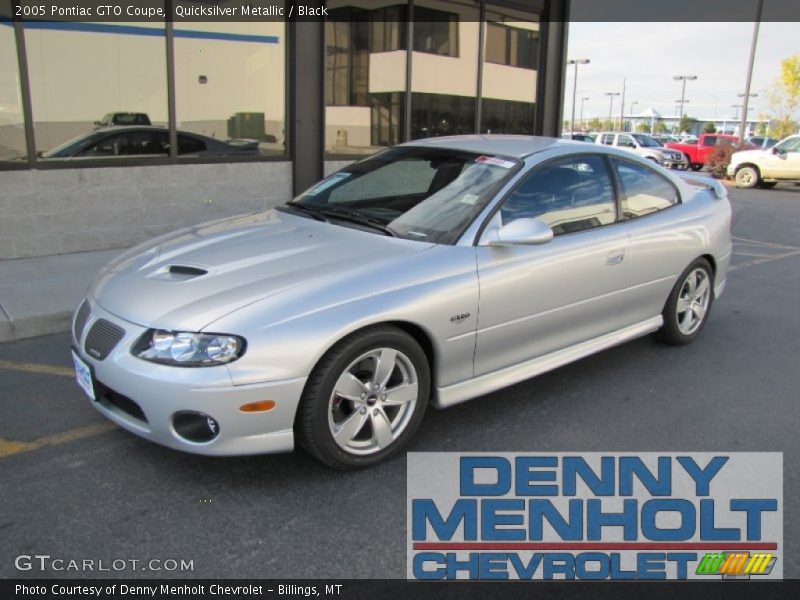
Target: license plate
83	375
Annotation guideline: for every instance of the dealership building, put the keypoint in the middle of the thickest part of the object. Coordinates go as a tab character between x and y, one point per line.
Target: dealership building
305	97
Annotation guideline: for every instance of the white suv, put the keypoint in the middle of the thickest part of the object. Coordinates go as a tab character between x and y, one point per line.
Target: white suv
646	147
765	168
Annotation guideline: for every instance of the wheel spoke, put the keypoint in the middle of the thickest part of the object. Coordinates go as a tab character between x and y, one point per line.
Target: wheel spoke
699	311
349	386
401	394
702	288
381	428
385	363
350	428
692	281
682	306
686	321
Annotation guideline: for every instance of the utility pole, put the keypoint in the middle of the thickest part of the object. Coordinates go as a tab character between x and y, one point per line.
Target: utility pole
746	95
583	99
611	107
622	108
576	62
683	79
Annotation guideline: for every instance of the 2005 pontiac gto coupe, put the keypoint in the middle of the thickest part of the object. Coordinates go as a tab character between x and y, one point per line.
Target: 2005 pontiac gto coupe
431	272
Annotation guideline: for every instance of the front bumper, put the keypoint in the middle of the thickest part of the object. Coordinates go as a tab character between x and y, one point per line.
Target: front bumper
161	391
676	163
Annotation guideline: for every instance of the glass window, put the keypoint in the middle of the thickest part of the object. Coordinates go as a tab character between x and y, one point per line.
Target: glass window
12	127
230	83
509	70
512	46
643	190
607	139
435	31
710	140
365	77
791	144
444	81
626	141
129	143
569	195
85	73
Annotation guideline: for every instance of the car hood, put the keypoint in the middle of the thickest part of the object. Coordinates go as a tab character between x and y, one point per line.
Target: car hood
744	155
195	276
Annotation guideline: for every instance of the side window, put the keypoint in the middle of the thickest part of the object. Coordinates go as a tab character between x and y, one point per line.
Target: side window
569	195
709	140
626	141
608	139
110	145
643	190
190	145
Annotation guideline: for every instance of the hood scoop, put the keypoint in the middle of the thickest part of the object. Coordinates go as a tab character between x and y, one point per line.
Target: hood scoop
178	273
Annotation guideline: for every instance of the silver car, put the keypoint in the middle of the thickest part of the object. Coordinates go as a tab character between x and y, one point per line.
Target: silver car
430	273
646	147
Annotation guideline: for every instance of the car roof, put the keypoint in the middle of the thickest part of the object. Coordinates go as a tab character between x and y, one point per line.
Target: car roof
518	146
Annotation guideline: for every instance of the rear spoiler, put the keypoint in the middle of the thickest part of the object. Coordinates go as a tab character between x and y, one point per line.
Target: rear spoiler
704	182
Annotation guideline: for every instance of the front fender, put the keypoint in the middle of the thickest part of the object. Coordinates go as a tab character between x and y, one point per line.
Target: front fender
285	344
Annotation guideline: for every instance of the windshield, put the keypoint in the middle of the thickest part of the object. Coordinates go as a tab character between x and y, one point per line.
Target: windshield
646	141
69	147
425	194
790	144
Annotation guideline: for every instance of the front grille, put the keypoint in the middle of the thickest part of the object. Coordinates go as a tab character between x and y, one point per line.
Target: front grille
80	319
102	338
106	395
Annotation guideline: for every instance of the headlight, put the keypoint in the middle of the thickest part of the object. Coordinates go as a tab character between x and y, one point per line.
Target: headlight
183	349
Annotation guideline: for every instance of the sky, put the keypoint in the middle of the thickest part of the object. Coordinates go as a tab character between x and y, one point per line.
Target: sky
648	55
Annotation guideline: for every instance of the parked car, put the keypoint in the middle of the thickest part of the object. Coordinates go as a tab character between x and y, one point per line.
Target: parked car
430	273
146	141
123	118
645	146
766	167
762	142
578	137
697	151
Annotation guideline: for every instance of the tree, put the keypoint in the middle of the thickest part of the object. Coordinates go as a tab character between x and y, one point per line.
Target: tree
643	128
685	124
784	98
709	128
661	127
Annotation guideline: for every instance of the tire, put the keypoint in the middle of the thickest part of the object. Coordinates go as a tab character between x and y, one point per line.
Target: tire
747	178
695	166
683	323
767	185
347	422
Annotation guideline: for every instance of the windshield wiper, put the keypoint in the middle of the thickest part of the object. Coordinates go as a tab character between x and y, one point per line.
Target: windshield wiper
360	218
303	208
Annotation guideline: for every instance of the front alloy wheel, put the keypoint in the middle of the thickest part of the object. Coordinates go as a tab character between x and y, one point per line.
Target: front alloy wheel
365	398
746	178
373	401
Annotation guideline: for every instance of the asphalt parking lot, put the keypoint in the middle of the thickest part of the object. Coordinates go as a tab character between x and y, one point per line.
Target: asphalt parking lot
76	487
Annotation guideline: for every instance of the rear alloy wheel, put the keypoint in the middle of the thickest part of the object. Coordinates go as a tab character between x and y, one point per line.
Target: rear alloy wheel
365	399
688	305
747	178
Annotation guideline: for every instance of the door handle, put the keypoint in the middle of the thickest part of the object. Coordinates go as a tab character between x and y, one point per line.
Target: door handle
615	257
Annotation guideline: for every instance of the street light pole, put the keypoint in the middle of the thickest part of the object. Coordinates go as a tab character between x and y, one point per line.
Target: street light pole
583	99
611	106
745	112
576	62
683	79
746	94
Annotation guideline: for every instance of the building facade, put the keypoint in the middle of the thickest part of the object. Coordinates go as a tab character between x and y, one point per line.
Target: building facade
303	97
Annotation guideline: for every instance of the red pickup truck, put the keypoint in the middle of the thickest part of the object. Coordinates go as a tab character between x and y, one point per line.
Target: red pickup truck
697	154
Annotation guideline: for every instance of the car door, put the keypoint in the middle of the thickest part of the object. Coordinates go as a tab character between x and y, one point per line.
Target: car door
538	299
662	244
785	159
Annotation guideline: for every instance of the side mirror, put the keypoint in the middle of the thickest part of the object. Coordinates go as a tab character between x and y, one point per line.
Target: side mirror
520	232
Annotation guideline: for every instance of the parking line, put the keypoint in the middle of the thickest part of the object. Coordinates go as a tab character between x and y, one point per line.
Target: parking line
760	243
761	261
11	447
36	368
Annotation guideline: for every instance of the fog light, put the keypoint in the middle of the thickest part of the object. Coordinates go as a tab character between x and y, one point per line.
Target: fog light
195	427
260	406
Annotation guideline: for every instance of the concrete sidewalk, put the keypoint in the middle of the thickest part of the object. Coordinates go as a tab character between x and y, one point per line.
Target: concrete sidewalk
38	295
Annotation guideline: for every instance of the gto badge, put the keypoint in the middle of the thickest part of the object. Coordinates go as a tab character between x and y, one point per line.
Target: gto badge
459	318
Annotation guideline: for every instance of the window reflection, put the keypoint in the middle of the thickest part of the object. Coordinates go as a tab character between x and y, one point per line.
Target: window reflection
12	128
